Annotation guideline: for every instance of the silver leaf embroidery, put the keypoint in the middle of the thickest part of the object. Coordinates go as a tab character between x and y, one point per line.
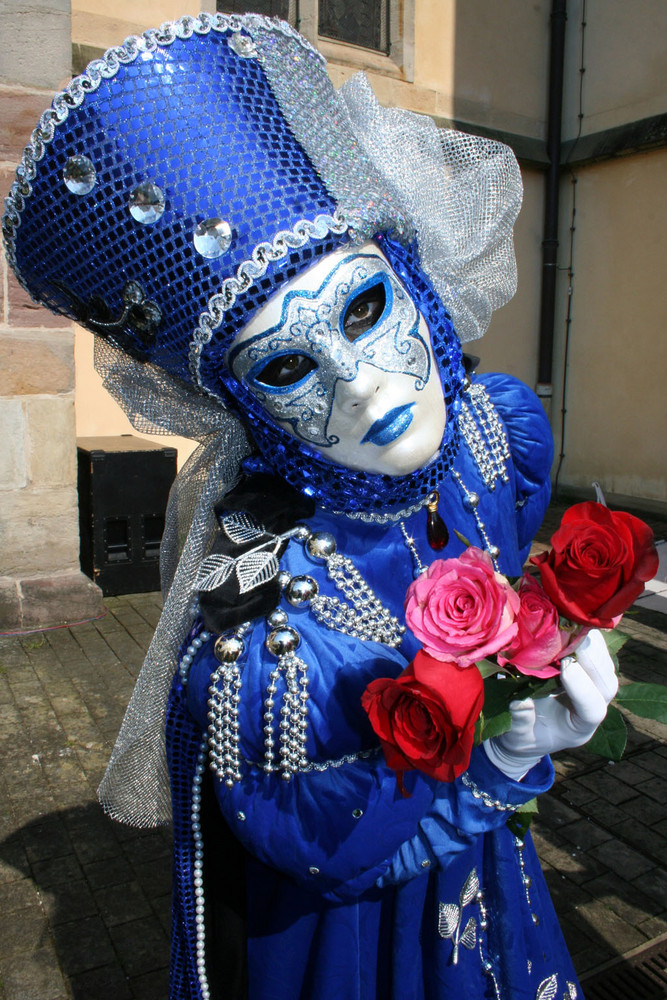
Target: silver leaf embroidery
469	936
450	918
255	568
252	569
470	889
547	989
572	990
213	572
240	527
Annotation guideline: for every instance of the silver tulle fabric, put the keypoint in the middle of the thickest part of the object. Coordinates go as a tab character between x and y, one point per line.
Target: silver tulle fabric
135	788
390	170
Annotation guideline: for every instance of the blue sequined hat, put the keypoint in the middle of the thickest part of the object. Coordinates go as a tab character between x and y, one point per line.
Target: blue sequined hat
165	190
188	173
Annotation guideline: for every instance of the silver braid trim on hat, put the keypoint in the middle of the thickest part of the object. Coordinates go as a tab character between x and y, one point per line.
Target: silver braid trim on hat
249	271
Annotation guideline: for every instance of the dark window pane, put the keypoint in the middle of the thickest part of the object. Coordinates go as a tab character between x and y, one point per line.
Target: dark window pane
273	8
359	22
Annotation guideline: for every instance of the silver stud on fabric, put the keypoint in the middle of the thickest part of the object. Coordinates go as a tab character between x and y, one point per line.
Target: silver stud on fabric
147	203
79	175
357	813
212	238
243	46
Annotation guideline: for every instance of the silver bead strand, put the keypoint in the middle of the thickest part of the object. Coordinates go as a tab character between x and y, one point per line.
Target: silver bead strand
198	872
471	501
367	618
282	641
487	964
412	548
190	653
526	880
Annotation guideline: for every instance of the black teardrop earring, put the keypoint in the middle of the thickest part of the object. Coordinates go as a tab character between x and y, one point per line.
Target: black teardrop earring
436	529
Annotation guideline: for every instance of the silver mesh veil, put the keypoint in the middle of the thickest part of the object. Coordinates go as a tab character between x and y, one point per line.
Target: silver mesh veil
135	788
462	194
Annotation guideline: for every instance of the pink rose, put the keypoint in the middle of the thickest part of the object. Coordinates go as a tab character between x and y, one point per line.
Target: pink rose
461	609
539	641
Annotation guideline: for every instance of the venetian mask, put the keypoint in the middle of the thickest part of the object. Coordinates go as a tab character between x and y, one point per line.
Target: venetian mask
341	359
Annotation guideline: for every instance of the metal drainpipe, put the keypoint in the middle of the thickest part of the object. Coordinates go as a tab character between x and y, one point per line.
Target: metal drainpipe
544	386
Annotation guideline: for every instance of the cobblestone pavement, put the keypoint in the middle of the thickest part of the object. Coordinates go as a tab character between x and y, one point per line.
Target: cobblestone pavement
84	902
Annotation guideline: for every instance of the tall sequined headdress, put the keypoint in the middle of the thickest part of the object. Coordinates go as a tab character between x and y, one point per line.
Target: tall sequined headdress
166	194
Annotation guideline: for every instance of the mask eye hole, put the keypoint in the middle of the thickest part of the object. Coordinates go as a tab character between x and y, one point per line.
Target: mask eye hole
286	369
364	311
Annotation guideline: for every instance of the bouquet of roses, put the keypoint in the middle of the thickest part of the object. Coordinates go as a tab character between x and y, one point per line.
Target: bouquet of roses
488	641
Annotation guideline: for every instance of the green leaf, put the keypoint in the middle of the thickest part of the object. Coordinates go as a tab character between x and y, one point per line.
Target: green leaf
519	822
494	725
500	692
615	640
646	700
488	668
610	737
463	539
479	727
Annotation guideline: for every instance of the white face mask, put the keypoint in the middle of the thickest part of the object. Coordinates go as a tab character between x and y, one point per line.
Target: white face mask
341	358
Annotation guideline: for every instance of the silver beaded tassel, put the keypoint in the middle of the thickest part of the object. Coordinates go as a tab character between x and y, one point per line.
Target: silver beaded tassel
282	641
484	435
223	709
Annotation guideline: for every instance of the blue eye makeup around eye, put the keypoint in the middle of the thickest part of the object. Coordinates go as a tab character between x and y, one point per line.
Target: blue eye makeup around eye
366	307
283	372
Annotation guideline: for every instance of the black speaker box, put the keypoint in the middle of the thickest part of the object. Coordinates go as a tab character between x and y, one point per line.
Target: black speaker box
124	485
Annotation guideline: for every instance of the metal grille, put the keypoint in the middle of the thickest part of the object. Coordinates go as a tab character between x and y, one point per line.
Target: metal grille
359	22
640	977
272	8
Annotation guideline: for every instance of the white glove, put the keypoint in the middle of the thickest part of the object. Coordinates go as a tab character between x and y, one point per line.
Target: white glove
568	719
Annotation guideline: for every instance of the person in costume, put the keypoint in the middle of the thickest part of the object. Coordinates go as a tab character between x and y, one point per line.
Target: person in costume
286	272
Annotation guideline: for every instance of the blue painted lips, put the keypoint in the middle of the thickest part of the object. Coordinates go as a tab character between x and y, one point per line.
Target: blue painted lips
390	426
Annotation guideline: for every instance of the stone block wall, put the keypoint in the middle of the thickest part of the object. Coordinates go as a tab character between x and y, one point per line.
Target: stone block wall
40	579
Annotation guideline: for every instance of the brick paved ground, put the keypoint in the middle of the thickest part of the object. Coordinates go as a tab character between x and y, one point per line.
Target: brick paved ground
84	902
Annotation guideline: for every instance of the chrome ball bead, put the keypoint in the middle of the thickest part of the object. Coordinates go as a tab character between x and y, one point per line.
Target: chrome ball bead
321	545
301	590
282	640
227	648
277	618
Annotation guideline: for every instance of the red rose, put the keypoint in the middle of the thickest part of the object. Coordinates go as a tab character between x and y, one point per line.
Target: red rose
540	640
426	717
461	610
598	565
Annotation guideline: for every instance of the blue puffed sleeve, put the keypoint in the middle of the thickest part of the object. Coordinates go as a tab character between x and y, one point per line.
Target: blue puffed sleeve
531	446
333	830
481	800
